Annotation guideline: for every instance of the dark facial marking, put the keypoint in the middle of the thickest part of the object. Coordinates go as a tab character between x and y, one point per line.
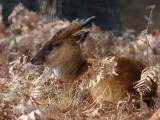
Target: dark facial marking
49	46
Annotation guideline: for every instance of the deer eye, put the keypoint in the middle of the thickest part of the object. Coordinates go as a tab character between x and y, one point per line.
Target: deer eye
51	47
56	45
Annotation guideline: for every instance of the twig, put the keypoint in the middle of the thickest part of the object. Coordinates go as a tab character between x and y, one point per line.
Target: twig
152	7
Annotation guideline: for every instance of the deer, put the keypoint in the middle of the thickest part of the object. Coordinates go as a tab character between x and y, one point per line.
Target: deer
64	54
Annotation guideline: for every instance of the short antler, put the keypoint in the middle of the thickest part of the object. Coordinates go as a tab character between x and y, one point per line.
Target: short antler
84	23
73	27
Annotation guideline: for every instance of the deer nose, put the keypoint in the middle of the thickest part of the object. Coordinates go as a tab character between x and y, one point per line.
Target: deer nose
32	60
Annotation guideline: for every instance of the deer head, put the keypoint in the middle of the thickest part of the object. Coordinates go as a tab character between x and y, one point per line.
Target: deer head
63	45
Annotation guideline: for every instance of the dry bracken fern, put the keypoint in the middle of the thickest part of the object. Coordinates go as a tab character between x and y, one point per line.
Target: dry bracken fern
99	69
43	113
149	78
156	115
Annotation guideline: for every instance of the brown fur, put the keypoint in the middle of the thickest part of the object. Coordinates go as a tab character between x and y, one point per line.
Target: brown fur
113	88
66	32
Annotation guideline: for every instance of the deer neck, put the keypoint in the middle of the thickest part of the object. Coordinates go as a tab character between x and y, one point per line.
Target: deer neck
71	69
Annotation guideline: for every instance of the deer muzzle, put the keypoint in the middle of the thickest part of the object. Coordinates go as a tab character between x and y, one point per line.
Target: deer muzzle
36	61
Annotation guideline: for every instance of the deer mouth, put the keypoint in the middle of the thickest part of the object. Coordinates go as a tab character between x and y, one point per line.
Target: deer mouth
40	63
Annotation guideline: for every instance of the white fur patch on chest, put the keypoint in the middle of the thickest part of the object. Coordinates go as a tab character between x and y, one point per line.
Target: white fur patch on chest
57	71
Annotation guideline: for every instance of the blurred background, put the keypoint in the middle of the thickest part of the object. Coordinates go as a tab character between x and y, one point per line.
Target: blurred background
115	15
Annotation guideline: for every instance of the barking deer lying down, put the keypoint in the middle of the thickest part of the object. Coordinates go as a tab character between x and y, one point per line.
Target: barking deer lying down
64	54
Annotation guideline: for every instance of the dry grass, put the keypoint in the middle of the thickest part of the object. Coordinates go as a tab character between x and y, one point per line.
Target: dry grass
30	92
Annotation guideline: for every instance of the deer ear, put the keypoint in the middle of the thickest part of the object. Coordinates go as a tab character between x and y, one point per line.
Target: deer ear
80	36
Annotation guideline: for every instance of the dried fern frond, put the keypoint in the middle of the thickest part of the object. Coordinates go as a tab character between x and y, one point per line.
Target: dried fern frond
156	115
149	78
99	69
43	113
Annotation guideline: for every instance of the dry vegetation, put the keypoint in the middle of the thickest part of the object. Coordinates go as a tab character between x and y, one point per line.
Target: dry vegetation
29	92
